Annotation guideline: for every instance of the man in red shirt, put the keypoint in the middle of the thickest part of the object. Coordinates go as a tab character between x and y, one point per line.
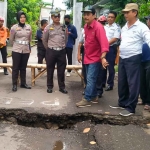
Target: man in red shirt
96	46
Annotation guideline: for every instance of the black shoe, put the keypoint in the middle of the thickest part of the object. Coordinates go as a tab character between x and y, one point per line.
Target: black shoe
109	88
49	90
63	91
5	73
25	86
14	88
99	95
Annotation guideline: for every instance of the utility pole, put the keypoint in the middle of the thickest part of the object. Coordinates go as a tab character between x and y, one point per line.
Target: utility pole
52	4
74	10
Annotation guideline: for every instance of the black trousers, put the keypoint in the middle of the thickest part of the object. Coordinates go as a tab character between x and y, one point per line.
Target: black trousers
69	56
110	57
41	56
20	61
4	55
145	82
54	57
129	82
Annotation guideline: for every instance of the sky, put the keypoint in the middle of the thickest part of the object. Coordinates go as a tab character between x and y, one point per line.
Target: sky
57	3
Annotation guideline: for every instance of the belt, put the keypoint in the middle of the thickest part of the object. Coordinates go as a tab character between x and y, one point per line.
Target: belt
22	42
57	48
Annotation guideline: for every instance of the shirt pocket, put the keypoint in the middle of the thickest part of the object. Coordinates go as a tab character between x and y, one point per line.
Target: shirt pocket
91	37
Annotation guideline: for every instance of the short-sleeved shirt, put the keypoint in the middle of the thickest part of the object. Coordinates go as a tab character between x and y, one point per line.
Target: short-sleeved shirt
3	36
18	33
82	37
95	43
112	31
132	39
55	36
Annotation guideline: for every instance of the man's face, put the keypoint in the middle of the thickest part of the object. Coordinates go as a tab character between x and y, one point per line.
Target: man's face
56	19
1	23
88	17
130	15
23	19
111	18
148	22
45	24
67	21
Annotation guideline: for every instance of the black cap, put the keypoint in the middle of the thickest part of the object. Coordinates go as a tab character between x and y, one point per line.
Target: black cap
147	17
89	9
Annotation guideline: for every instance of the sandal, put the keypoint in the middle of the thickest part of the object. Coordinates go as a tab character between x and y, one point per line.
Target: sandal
146	107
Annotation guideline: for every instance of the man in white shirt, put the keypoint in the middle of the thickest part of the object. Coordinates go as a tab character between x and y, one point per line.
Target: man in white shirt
133	34
113	34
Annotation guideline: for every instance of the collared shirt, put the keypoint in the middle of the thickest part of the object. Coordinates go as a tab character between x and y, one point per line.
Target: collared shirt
72	36
112	31
132	39
82	37
18	33
55	36
95	43
3	36
40	45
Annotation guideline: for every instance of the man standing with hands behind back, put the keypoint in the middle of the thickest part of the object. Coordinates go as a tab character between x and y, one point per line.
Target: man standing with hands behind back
54	40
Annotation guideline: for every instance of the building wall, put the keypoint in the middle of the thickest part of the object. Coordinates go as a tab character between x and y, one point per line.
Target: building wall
3	10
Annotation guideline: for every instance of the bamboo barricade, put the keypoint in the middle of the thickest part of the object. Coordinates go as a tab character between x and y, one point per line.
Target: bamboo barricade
35	76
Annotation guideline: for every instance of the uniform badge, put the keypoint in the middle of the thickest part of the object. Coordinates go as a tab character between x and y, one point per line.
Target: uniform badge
51	28
18	29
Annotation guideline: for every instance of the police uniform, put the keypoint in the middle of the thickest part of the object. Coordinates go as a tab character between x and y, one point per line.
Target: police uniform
112	31
20	38
54	40
3	49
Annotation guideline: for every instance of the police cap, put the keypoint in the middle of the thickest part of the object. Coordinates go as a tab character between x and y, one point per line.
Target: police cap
55	12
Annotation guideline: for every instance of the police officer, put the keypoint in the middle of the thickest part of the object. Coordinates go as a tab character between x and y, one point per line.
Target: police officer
54	40
40	47
113	34
3	38
20	37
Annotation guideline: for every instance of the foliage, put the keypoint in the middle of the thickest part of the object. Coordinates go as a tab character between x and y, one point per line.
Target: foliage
30	7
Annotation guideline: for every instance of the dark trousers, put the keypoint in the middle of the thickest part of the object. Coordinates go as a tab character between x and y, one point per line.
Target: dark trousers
4	55
40	58
129	82
110	57
83	67
20	61
54	57
69	56
100	81
145	82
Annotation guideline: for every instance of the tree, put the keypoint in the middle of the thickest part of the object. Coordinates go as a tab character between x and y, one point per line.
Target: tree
32	8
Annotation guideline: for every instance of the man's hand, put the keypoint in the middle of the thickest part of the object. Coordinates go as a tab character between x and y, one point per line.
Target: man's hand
104	63
69	33
79	58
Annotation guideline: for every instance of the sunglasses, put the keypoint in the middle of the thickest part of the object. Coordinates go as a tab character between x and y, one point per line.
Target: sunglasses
56	16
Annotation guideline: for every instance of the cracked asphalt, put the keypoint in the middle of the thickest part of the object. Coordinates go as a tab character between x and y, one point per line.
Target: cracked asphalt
37	100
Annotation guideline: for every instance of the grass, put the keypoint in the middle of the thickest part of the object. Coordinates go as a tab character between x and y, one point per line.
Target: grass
116	68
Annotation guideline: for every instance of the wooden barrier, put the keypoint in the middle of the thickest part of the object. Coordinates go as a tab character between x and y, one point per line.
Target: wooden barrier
35	76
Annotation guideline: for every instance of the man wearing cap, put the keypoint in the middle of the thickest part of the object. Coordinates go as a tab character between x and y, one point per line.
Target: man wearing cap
54	40
132	36
72	35
96	46
3	39
145	73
